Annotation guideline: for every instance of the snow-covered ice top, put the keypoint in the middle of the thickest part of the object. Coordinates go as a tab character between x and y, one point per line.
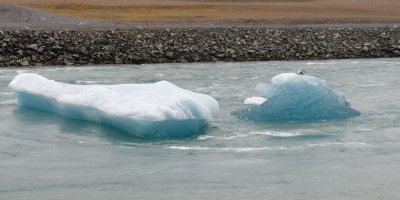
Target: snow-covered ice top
157	102
293	97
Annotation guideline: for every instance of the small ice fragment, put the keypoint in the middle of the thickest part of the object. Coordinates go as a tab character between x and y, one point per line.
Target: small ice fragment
254	101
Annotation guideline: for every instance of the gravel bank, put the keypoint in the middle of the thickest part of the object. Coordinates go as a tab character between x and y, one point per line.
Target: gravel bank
38	48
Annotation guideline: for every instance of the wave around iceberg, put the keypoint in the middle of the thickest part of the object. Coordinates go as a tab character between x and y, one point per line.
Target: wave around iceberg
161	109
297	97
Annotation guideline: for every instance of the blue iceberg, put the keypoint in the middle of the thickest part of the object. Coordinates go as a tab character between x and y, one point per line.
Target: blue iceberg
161	109
296	97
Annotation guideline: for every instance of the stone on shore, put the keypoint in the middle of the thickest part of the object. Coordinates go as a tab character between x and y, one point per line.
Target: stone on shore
137	46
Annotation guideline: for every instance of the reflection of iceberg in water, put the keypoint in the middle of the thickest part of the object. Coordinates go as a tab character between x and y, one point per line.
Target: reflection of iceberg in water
150	110
297	97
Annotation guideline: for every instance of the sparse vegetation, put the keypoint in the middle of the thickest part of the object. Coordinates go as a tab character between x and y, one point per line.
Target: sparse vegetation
132	34
156	11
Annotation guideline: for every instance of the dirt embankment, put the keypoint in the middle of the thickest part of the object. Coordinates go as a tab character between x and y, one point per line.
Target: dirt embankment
222	11
14	17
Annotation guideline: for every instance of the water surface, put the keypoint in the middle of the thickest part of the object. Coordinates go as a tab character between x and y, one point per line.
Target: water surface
46	156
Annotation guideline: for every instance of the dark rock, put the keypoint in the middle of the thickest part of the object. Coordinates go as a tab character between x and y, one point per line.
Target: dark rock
367	44
56	48
221	55
310	53
33	47
68	62
169	54
23	62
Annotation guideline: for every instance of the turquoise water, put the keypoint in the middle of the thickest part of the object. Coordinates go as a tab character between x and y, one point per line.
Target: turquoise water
46	156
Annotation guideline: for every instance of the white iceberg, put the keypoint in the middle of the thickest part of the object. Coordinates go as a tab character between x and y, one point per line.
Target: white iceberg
161	109
296	97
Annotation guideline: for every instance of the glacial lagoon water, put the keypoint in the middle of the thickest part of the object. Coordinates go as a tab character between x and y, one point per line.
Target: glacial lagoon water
46	156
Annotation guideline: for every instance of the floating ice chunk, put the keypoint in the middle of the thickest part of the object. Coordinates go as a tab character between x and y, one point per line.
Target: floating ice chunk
254	100
160	109
297	97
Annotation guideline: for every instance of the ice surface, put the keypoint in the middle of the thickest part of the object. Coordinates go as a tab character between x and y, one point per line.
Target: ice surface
298	97
161	109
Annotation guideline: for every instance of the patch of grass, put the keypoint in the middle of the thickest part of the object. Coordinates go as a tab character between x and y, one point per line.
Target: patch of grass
139	13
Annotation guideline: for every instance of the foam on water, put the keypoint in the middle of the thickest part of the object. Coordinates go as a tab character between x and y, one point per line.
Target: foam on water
253	133
148	110
337	143
368	85
21	71
7	93
277	134
8	102
159	74
252	149
91	82
125	147
298	97
236	149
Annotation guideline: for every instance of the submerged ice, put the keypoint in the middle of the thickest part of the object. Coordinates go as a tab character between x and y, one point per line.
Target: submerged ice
161	109
296	97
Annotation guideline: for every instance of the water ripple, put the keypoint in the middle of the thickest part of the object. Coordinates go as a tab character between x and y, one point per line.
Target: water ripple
252	149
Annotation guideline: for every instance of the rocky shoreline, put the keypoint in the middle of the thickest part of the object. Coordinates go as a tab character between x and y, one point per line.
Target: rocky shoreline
180	45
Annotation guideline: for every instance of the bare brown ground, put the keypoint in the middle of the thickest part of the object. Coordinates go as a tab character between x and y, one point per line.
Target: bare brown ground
199	11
